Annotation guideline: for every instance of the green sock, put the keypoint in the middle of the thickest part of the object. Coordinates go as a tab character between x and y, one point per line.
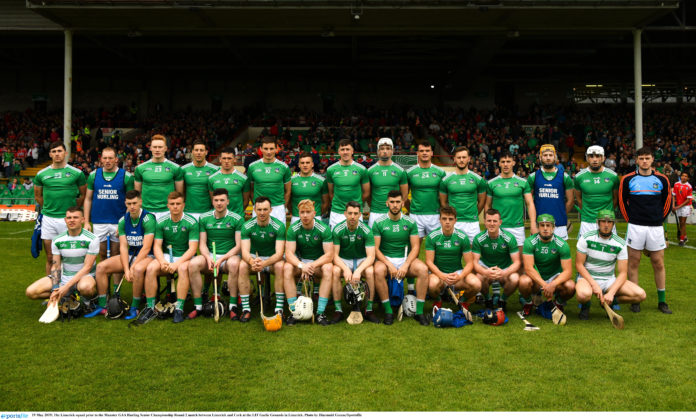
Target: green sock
198	303
661	298
338	305
136	302
387	307
291	303
280	299
322	305
101	300
419	306
524	300
369	306
245	302
234	301
180	303
150	302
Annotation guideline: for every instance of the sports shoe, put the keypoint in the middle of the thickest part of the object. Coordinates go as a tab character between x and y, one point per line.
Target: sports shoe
290	320
322	320
192	315
422	319
370	317
686	239
527	309
245	317
615	306
146	316
388	319
98	310
635	307
233	315
337	317
663	307
479	299
178	316
681	243
584	313
131	313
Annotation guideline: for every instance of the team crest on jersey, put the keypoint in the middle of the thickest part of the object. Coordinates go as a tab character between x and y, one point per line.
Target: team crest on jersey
68	174
235	181
167	169
393	173
405	228
516	184
471	180
271	234
315	237
456	243
314	183
655	185
277	170
359	237
606	180
228	225
554	251
355	172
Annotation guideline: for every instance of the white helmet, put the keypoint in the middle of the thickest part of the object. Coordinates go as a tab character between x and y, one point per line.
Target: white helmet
409	305
304	307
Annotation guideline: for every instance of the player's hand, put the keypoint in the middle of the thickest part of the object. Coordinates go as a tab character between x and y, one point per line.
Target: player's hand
533	229
173	267
256	264
608	298
308	269
218	263
87	226
209	262
402	271
452	278
128	275
348	276
164	266
58	293
496	273
597	291
392	270
548	290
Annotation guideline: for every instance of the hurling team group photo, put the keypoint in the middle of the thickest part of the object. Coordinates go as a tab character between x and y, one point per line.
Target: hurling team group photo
381	244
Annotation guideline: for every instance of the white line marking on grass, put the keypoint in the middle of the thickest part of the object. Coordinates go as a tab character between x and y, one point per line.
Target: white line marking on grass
685	246
23	231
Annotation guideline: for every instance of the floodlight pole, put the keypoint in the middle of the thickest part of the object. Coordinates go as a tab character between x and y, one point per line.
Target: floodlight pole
67	92
638	88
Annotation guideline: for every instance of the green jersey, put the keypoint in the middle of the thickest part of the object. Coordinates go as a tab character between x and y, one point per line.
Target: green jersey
495	252
597	190
60	189
269	180
311	187
128	179
425	184
149	227
309	243
236	184
396	235
347	182
220	230
263	239
177	234
462	193
382	180
157	180
547	256
196	181
448	249
508	198
353	243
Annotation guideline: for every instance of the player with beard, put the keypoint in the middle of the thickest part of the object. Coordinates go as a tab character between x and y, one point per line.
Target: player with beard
424	180
270	177
235	182
385	176
596	188
346	181
308	185
196	176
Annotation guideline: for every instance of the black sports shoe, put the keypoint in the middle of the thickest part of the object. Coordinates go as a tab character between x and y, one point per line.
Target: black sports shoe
322	320
635	307
145	316
584	313
245	317
337	317
290	320
178	316
663	307
420	318
370	317
388	319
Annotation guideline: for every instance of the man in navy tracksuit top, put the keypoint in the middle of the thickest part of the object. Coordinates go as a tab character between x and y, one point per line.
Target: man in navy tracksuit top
645	201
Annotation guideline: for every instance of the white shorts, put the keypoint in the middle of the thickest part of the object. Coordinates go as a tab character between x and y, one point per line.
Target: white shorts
336	218
471	229
427	223
562	232
196	215
278	212
604	284
518	232
159	214
65	279
548	281
353	264
373	217
106	231
295	219
587	227
651	238
397	262
684	211
52	227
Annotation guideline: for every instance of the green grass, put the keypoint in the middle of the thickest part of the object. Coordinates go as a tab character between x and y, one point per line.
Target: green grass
104	365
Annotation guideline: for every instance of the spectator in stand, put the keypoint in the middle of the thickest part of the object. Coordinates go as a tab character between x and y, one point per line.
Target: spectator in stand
28	184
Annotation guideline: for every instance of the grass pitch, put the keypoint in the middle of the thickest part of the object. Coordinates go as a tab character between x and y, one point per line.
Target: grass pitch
98	364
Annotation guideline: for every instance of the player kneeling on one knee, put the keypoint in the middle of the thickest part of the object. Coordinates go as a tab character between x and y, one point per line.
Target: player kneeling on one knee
354	255
547	265
396	233
176	242
72	262
309	251
136	232
223	228
496	259
444	249
601	253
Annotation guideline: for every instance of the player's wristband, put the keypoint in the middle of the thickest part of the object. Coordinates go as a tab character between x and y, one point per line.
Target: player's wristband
300	265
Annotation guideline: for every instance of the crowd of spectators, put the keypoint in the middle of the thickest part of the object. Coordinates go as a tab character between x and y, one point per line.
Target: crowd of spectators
669	129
